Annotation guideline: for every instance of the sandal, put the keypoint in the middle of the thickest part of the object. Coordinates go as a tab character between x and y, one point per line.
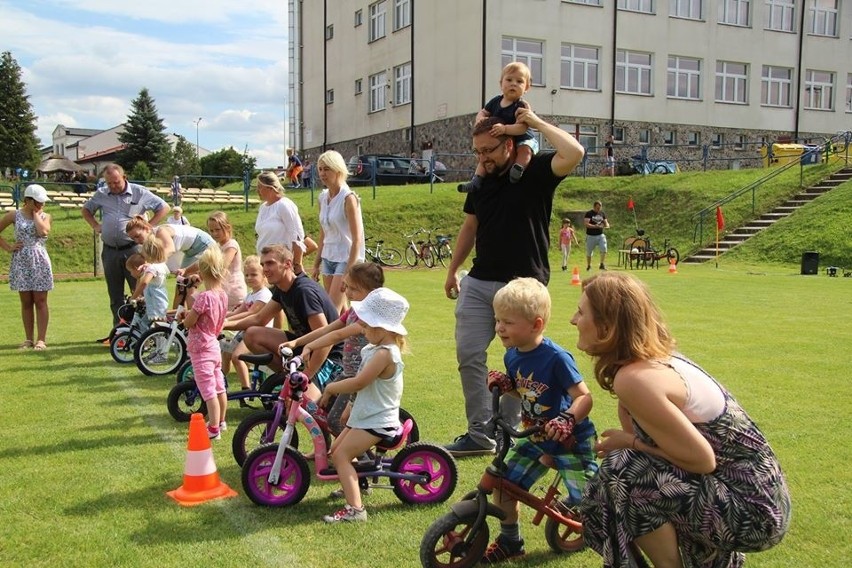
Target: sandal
28	344
40	346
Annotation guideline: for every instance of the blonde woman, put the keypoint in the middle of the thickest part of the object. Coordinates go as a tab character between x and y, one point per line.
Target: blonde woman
341	239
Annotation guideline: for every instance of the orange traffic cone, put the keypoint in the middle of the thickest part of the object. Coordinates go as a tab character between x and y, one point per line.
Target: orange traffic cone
672	266
201	481
575	277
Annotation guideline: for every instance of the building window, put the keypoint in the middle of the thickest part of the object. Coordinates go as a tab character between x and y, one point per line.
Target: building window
402	84
579	67
734	12
849	92
589	2
717	141
646	6
775	86
401	14
329	96
690	9
588	137
378	86
693	138
780	15
359	86
819	90
633	72
731	82
684	78
739	142
359	17
526	51
823	17
669	138
618	134
406	135
644	135
329	32
377	20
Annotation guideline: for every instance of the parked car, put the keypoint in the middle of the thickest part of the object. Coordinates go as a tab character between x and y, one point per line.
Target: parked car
389	170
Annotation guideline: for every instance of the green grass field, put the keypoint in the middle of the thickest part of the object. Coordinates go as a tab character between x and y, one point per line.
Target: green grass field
89	449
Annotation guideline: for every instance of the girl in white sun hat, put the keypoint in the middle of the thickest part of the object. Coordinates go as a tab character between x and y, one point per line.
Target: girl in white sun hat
375	412
30	272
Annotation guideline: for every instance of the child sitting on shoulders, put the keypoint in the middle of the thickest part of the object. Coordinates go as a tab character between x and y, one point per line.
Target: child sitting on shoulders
151	279
553	395
204	319
375	412
515	80
253	303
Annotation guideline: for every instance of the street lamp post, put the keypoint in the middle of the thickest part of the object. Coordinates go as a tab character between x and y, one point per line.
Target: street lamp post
197	122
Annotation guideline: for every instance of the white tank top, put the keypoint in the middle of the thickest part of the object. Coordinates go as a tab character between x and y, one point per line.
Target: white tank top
184	236
336	236
704	398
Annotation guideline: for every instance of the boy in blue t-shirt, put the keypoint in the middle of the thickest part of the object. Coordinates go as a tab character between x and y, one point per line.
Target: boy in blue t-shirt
553	395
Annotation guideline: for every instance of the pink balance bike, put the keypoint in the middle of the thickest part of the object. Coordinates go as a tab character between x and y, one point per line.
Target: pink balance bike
277	475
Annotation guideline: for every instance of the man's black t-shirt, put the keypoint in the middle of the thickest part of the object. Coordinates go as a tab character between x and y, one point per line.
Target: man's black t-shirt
304	299
513	232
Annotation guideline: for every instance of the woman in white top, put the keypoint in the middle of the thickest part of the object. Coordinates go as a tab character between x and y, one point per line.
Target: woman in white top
278	221
175	238
341	239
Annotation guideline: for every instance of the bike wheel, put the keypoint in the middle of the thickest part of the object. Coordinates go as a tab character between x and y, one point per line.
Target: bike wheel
448	542
672	255
254	431
562	538
293	481
411	256
414	435
155	355
185	373
390	257
424	459
429	257
121	347
184	400
445	253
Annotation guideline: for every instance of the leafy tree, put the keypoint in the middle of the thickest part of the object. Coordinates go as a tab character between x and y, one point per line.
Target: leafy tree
227	162
140	172
144	134
19	146
184	158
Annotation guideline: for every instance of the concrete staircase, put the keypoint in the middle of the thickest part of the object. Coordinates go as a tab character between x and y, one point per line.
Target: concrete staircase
742	234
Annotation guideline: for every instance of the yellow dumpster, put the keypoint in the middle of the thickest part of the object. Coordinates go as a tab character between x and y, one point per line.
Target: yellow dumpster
781	154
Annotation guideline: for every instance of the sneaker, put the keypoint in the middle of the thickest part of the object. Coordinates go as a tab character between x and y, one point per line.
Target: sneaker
213	433
465	446
602	266
564	268
502	549
157	359
516	172
470	186
588	267
347	514
223	426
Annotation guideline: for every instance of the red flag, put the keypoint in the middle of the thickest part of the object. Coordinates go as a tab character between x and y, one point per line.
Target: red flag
630	204
720	220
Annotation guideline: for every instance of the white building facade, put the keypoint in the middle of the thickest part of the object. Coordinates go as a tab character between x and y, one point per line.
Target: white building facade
403	75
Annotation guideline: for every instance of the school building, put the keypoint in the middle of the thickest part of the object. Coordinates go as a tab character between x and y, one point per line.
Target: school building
405	75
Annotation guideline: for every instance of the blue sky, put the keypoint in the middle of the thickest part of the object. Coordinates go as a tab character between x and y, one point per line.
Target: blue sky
225	61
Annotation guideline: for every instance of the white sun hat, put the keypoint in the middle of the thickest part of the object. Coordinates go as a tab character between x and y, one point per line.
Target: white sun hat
383	308
36	192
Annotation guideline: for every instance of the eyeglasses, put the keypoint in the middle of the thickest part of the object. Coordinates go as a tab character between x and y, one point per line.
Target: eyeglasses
486	151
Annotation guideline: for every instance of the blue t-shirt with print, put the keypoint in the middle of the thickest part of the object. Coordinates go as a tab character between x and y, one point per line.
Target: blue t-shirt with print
542	378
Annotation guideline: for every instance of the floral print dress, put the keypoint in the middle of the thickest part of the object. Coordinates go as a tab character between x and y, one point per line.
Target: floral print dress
29	269
742	506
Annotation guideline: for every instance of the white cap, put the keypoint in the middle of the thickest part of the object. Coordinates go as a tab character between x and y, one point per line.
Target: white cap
37	193
383	308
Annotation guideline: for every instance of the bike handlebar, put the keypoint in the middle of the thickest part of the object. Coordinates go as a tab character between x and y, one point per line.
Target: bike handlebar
498	420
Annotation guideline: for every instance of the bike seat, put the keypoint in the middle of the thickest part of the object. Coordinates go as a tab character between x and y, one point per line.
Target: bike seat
399	439
251	358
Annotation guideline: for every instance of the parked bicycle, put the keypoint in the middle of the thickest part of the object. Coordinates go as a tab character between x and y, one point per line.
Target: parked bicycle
442	250
417	251
643	253
380	254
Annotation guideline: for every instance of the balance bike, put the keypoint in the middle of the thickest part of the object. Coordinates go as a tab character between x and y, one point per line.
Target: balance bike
277	475
262	427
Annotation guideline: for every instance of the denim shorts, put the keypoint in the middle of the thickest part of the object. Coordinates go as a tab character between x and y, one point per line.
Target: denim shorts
331	268
201	243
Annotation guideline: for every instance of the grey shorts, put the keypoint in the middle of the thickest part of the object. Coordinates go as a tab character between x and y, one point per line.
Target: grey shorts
593	241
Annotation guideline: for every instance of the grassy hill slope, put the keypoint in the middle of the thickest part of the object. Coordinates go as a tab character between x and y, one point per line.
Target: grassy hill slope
664	207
